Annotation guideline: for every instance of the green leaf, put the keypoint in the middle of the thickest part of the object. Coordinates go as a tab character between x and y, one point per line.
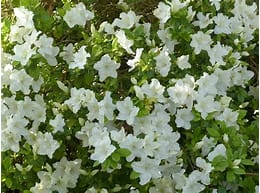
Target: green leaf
213	132
247	162
8	182
124	152
96	50
222	190
239	171
242	114
220	163
115	156
230	176
134	175
96	163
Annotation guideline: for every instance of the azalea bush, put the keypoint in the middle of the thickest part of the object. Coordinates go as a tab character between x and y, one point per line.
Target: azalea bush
129	96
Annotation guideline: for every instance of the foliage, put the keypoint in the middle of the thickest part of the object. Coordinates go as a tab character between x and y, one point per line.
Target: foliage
129	96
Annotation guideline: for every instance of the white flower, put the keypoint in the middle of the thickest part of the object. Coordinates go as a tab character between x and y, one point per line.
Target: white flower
220	149
240	76
17	33
206	144
57	123
66	174
106	68
24	17
206	105
215	3
166	38
183	118
107	106
163	63
206	169
127	21
181	93
45	144
200	41
164	184
79	97
183	62
163	12
118	135
127	111
154	90
79	58
107	27
257	189
203	21
192	184
201	163
229	117
207	84
17	124
78	15
102	151
176	5
47	50
36	85
102	143
148	168
67	53
124	42
20	81
134	62
10	140
217	53
23	52
222	24
134	144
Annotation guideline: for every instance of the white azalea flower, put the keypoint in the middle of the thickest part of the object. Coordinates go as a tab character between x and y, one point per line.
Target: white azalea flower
45	144
133	63
79	58
203	21
67	53
183	118
24	17
163	63
183	62
23	52
20	81
127	111
220	149
200	41
78	15
163	12
222	24
154	90
124	42
47	50
134	144
217	53
102	151
148	168
127	21
106	68
229	117
192	184
57	123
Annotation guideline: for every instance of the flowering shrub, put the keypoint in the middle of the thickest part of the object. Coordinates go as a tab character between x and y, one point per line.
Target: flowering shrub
159	101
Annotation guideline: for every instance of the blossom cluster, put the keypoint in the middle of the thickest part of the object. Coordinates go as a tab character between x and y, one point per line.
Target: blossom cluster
154	103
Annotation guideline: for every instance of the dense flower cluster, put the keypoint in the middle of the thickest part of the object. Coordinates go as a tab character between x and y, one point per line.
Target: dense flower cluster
162	106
